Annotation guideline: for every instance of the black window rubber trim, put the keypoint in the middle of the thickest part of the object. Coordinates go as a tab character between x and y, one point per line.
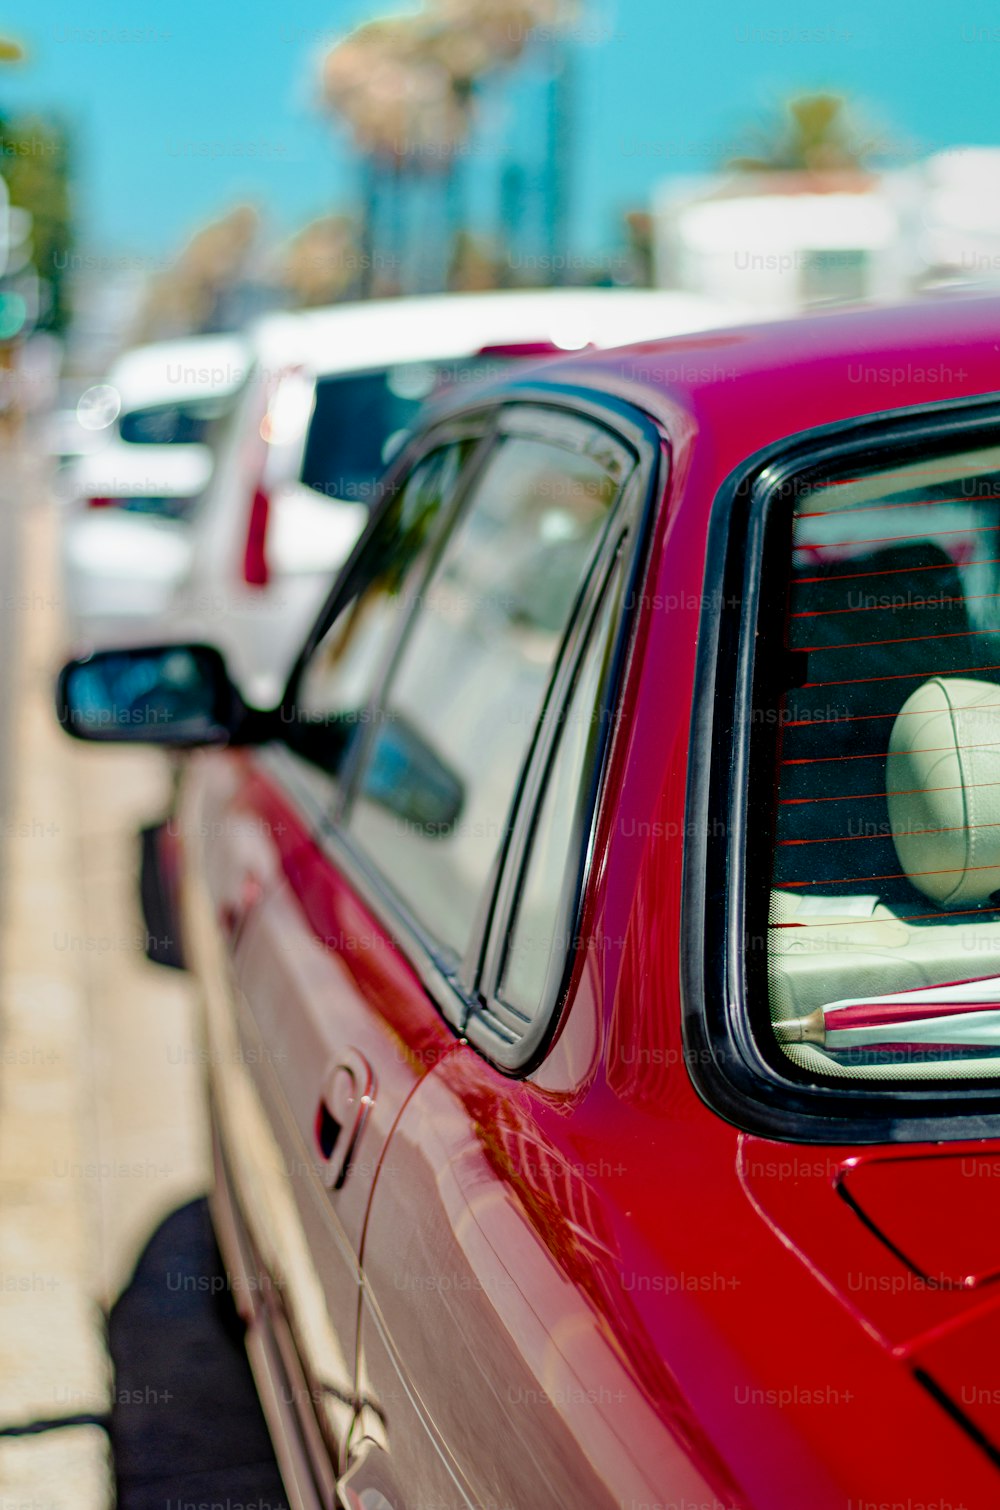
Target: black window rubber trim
625	550
733	1060
484	420
518	421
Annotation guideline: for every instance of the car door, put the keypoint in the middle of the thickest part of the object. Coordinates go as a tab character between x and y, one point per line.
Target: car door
494	696
317	1027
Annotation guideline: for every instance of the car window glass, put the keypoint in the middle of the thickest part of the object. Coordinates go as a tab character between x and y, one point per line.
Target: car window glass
443	765
194	422
360	419
541	936
884	936
337	683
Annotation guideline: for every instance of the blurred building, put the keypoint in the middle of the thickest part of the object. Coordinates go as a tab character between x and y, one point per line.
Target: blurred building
107	295
780	241
955	215
787	241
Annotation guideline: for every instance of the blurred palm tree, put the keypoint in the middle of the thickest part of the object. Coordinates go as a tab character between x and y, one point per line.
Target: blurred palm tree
322	262
812	133
190	296
472	265
405	86
36	161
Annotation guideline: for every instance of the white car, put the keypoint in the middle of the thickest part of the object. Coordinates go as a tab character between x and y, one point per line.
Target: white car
152	427
331	397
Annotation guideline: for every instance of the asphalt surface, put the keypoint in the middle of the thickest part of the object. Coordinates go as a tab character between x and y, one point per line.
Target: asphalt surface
10	505
100	1074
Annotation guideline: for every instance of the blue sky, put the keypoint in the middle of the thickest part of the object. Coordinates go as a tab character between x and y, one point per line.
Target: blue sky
182	109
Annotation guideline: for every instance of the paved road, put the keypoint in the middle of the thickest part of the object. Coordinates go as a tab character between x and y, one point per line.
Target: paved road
104	1153
10	502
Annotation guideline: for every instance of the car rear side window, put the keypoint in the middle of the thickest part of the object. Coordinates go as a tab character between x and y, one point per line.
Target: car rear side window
462	705
545	909
884	933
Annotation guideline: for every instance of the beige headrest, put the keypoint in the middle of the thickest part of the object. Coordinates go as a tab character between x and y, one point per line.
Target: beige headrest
943	785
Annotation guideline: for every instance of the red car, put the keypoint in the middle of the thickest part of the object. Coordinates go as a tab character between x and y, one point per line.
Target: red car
600	945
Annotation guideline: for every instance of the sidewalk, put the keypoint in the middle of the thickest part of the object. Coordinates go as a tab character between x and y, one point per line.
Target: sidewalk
102	1131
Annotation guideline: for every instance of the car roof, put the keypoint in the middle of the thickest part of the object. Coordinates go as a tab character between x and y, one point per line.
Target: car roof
752	385
196	367
381	332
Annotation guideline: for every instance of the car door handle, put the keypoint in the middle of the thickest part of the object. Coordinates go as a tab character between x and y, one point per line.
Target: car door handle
345	1100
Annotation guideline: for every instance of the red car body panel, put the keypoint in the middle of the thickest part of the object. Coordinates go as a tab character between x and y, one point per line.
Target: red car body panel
800	1191
646	1306
960	1248
309	996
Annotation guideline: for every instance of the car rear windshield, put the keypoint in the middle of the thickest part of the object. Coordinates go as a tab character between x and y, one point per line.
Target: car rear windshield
194	422
361	419
883	945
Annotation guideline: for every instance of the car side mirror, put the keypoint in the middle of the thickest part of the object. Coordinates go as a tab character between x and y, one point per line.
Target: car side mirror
172	695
